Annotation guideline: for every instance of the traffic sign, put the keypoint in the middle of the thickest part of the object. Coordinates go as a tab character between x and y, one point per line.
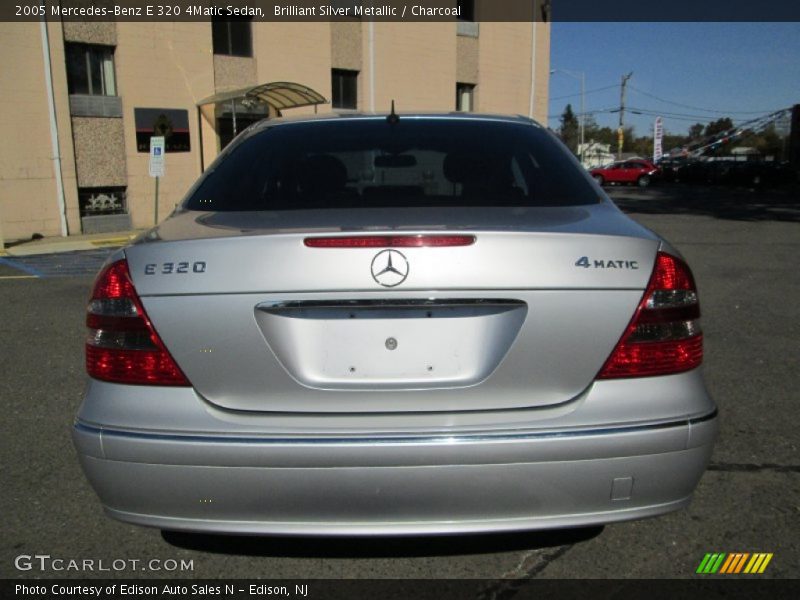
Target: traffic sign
157	156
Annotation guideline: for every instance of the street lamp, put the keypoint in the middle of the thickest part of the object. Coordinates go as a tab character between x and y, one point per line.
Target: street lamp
582	77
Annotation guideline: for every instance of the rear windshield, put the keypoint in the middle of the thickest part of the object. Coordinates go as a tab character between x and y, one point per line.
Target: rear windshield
371	163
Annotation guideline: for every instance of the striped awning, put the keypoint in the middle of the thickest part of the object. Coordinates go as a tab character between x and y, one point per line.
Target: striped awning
278	95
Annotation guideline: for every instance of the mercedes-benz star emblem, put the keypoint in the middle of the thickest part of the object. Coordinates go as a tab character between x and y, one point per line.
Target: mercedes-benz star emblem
389	268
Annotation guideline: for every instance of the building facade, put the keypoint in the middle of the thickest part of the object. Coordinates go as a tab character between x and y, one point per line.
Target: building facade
81	100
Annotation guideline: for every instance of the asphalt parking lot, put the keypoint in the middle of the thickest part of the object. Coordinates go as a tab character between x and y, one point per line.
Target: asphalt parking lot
743	246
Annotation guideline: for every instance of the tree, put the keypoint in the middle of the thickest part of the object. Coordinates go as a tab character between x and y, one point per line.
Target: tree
642	146
696	131
594	133
671	141
718	126
569	131
770	143
767	141
602	135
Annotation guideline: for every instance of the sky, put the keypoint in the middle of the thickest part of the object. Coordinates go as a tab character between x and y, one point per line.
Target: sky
738	70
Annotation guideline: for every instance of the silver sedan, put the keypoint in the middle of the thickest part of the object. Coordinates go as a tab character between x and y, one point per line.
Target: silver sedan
399	325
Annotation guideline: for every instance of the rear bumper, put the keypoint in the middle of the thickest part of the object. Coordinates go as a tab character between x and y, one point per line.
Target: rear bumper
392	485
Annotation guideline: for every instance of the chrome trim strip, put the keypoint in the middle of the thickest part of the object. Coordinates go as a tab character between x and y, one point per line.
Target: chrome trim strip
276	292
704	418
274	305
393	440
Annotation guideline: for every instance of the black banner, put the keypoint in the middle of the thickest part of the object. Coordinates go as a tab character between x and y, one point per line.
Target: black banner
700	587
401	10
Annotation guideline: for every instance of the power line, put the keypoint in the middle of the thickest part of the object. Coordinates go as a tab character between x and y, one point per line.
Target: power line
661	113
686	117
611	109
737	123
608	87
710	110
657	114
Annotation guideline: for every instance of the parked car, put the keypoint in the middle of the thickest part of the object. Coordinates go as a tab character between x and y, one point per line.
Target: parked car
412	324
736	172
635	171
763	174
671	168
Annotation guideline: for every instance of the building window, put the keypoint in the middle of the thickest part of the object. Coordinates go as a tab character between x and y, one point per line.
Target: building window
344	88
90	70
232	37
467	12
465	97
94	202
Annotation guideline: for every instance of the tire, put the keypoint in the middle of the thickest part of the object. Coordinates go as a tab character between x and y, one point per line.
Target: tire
643	181
599	179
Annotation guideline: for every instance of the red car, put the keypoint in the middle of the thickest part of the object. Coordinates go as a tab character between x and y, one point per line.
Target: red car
635	170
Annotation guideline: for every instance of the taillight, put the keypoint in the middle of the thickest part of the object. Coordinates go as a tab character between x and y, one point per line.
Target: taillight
122	345
664	335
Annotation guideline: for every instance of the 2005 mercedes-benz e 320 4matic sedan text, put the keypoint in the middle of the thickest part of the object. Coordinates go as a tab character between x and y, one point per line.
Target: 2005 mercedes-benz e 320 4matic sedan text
415	324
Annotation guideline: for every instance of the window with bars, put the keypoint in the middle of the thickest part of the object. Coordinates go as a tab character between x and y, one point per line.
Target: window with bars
102	201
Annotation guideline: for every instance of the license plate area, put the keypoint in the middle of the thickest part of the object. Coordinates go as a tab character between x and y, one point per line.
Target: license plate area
402	344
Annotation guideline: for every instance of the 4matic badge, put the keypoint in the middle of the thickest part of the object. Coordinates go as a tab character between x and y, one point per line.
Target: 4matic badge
589	263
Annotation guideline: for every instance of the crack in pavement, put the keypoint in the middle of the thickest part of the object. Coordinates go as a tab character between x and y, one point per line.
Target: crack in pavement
753	468
512	581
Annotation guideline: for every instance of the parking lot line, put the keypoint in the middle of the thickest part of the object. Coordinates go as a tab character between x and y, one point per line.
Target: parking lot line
31	271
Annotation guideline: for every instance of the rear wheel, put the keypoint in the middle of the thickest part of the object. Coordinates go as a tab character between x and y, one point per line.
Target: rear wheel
643	181
599	179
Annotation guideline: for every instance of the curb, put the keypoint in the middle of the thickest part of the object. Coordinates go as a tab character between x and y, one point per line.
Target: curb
118	241
68	244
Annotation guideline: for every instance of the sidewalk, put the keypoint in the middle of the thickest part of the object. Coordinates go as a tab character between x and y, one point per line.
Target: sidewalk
51	245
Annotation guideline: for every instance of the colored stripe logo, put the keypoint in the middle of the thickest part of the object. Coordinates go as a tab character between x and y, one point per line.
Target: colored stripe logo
734	563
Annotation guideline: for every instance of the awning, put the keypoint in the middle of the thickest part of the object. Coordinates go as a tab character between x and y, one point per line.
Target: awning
278	95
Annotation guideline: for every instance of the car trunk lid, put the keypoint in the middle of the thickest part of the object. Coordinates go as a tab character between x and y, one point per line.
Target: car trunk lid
525	316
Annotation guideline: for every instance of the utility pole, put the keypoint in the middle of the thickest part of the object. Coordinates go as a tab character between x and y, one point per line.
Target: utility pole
794	138
620	131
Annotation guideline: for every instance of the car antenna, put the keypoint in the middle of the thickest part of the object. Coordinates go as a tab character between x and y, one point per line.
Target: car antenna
392	118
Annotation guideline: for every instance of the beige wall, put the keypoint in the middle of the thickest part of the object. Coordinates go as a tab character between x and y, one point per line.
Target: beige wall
28	196
415	66
162	65
542	70
504	65
171	65
299	52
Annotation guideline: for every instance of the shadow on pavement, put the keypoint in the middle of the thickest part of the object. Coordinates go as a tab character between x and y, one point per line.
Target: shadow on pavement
378	546
720	202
